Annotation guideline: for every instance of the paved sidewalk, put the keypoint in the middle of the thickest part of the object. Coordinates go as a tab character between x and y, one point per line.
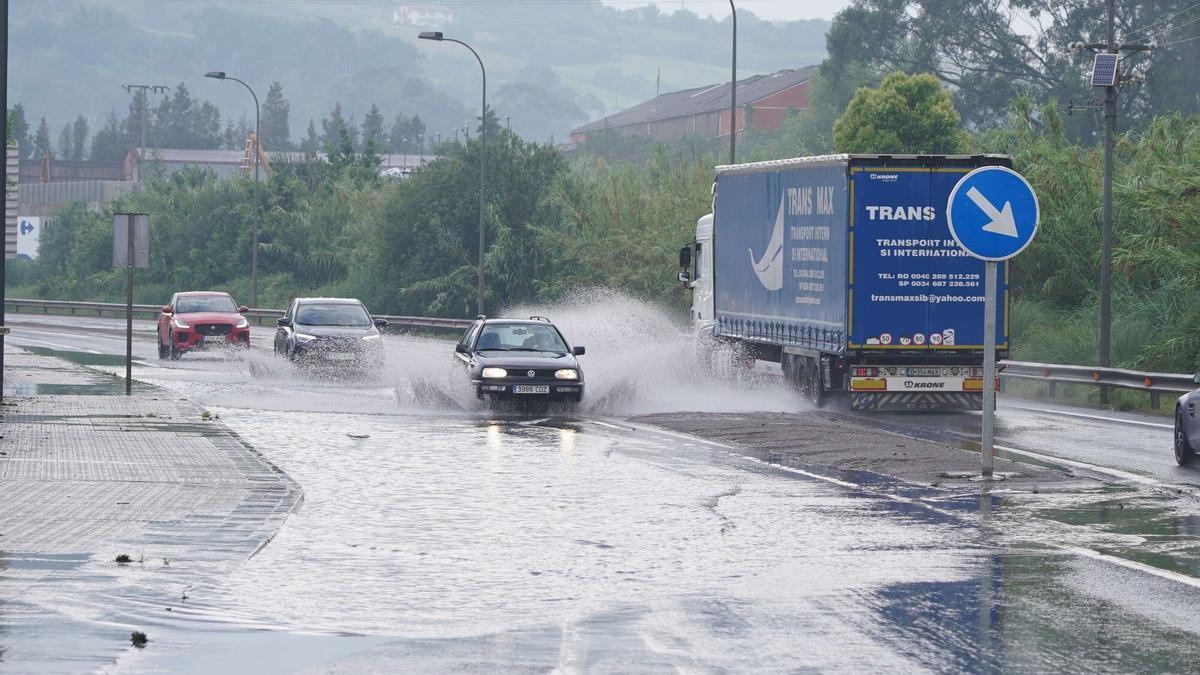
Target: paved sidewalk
86	477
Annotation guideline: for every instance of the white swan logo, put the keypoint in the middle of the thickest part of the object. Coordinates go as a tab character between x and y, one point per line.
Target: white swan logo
769	267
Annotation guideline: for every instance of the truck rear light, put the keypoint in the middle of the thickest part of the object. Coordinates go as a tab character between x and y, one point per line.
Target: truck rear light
866	372
977	372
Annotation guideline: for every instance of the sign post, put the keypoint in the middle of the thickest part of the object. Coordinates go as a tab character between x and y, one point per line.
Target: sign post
131	249
993	214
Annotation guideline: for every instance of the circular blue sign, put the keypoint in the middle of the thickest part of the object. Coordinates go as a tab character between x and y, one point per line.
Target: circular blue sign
993	213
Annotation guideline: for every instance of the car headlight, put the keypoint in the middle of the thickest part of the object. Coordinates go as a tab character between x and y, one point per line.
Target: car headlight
372	337
495	372
304	337
180	323
243	323
567	374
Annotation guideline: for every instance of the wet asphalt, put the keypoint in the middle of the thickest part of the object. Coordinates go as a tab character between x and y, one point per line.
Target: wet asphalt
436	535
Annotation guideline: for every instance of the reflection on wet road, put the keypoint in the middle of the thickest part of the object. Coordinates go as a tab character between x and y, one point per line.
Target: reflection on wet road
436	536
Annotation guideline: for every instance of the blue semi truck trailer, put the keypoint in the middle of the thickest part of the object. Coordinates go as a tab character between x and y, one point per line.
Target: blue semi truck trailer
842	269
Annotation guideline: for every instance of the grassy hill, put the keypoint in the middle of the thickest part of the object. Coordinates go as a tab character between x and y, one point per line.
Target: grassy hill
551	65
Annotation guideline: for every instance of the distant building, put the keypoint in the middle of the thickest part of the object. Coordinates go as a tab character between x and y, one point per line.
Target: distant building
423	15
704	111
227	163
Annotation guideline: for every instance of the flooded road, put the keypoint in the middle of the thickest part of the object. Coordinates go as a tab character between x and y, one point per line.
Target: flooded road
438	536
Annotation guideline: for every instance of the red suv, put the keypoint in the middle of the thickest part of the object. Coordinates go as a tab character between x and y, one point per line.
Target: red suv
199	320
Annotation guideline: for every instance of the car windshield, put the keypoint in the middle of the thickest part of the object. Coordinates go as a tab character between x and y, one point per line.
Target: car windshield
333	315
520	337
192	304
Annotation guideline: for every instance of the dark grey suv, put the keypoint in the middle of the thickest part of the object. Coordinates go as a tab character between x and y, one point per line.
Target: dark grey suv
330	332
523	360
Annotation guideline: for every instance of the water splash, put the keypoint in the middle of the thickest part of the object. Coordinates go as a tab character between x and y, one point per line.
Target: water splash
640	361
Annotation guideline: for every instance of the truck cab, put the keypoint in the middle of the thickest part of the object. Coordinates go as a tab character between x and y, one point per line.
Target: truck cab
696	261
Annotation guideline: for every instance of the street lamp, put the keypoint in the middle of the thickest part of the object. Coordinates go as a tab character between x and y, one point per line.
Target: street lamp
733	92
220	75
437	36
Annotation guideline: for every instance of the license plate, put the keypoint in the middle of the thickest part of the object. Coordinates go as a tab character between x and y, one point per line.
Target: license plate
531	389
340	357
214	338
925	372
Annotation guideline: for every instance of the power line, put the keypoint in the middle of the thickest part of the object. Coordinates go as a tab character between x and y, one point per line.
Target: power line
1179	42
1155	24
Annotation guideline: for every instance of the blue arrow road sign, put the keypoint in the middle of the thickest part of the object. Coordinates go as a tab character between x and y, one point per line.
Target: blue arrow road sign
26	227
993	213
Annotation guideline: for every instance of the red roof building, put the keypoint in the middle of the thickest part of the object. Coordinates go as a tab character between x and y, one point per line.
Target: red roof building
704	111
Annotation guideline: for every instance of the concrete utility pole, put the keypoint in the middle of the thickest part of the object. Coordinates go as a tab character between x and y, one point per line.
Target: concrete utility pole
733	92
1109	46
148	89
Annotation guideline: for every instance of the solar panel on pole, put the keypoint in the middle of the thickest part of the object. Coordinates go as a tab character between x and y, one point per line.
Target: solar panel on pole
1104	70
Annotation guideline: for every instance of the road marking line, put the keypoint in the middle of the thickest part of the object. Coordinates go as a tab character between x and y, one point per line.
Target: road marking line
1132	564
1086	416
1115	473
55	345
1080	551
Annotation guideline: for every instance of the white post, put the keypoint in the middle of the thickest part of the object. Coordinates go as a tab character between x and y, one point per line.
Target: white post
989	366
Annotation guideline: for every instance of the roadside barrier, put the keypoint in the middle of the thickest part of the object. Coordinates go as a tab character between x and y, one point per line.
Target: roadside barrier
1053	374
258	316
1155	384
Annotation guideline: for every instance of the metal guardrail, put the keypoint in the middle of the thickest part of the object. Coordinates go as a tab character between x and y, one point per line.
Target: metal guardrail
1052	374
1155	384
258	316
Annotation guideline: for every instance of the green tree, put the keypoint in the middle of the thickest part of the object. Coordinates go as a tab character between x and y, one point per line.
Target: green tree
373	139
79	137
276	134
18	129
407	135
41	141
183	122
65	149
311	144
906	114
112	142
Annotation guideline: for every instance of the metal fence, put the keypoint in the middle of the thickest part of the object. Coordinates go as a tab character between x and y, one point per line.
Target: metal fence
65	192
1053	374
258	316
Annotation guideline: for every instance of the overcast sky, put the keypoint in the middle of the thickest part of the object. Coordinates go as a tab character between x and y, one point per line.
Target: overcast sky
775	10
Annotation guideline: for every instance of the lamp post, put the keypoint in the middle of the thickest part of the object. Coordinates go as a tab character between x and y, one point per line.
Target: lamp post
437	36
220	75
733	92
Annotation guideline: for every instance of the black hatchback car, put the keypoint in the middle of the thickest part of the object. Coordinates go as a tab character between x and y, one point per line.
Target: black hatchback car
523	360
333	332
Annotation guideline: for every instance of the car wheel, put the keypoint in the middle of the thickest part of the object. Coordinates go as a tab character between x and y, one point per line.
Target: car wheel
1183	450
172	349
163	350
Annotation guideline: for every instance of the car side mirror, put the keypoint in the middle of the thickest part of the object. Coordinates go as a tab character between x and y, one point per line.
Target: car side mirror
579	351
283	321
167	310
685	256
685	278
1196	378
381	322
242	309
460	348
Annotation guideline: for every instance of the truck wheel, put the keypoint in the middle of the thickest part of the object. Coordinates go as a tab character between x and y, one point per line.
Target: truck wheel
816	389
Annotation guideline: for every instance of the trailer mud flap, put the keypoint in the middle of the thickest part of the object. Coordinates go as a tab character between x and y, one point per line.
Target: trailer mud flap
917	401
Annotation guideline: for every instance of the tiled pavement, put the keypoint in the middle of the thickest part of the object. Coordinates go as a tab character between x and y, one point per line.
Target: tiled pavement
87	477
